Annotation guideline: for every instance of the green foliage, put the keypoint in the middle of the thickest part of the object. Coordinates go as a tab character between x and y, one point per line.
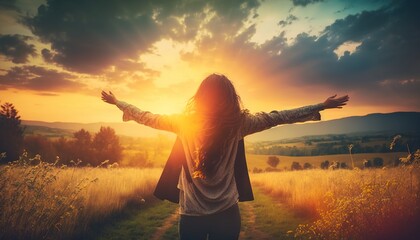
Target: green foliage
273	219
137	223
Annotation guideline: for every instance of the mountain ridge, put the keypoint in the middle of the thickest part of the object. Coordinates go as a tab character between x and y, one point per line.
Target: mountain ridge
374	122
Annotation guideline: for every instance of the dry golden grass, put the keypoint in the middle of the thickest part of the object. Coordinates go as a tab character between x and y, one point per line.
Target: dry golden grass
112	190
349	204
47	202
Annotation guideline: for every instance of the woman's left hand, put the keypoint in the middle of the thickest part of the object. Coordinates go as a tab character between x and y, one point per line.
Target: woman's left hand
336	102
109	97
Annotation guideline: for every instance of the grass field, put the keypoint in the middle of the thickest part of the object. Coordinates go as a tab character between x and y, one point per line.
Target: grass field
45	201
350	204
260	161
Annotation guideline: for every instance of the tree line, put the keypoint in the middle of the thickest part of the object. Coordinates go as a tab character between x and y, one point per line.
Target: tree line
331	148
84	147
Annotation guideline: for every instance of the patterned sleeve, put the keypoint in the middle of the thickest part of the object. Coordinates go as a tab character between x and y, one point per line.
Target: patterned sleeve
261	121
157	121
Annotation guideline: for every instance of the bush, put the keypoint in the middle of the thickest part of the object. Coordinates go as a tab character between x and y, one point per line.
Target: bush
296	166
307	166
325	164
273	161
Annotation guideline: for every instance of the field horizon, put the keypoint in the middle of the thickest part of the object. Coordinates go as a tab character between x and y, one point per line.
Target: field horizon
372	122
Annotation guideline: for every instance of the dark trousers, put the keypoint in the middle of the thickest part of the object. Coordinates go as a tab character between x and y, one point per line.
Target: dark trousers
225	225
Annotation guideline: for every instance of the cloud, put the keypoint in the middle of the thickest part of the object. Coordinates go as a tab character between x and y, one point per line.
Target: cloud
389	43
90	36
387	51
383	68
303	3
38	79
8	4
289	20
15	48
47	55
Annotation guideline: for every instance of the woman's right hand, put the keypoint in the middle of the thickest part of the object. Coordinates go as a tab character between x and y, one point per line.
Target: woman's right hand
109	97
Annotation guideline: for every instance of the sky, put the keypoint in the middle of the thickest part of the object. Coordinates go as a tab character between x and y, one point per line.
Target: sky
57	55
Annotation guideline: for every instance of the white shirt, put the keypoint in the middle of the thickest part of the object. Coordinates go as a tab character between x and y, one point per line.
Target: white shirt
218	192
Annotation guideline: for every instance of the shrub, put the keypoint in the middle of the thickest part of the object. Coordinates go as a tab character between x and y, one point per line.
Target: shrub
296	166
307	166
325	164
273	161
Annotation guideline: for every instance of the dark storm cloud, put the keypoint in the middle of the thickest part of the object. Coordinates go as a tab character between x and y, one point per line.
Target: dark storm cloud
8	4
47	55
15	48
389	49
303	3
39	79
89	36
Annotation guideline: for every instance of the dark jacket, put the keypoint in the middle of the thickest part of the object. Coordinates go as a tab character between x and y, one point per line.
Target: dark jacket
166	187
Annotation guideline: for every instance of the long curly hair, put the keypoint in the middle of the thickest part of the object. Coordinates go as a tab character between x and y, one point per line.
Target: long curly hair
217	109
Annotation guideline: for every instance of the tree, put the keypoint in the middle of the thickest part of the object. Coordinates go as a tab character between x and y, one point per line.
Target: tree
11	132
296	166
307	166
325	164
82	147
39	144
107	146
273	161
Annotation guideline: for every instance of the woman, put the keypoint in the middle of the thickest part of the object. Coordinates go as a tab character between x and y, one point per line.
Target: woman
210	130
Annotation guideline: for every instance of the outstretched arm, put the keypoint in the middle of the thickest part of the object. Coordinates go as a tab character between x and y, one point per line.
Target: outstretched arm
162	122
261	121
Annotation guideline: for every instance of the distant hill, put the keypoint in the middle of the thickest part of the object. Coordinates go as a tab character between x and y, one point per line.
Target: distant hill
399	122
123	128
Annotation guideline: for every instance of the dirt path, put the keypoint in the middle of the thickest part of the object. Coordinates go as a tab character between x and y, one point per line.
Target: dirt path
250	230
262	218
167	223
